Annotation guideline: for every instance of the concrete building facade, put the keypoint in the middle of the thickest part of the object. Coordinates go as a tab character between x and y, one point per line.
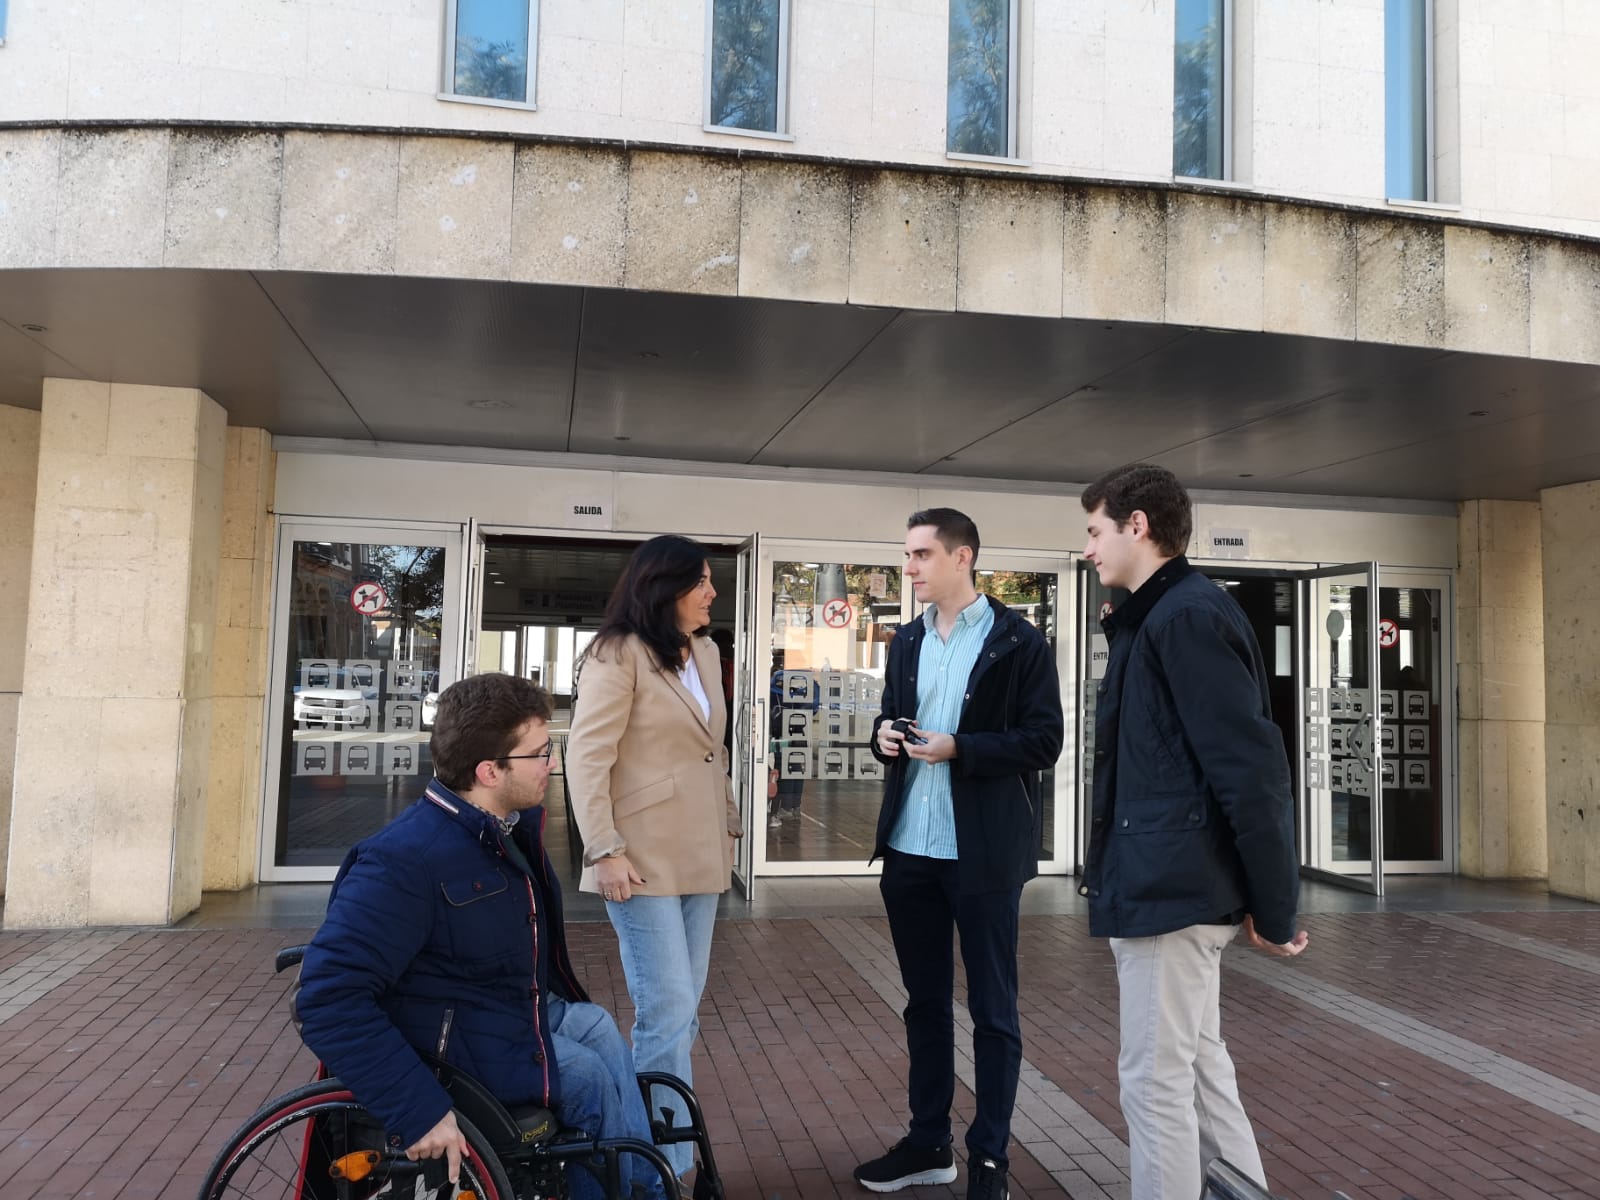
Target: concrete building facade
267	286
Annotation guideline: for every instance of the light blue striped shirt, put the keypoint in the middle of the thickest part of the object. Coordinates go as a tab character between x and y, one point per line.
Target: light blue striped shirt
927	821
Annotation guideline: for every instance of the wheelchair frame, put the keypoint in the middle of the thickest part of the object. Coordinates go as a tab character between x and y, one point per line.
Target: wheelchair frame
512	1155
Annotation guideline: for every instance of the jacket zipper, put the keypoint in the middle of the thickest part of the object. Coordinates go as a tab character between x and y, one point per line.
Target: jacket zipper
538	1028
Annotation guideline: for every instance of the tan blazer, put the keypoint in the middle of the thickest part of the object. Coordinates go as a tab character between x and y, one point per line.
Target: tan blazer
646	773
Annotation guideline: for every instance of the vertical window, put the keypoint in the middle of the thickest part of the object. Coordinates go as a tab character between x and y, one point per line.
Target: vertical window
1200	90
748	76
2	22
980	116
491	49
1408	99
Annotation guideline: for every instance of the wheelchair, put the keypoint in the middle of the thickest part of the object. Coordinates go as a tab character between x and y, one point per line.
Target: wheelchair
317	1143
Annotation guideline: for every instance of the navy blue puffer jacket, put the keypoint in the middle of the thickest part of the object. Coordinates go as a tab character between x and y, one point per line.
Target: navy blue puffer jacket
434	936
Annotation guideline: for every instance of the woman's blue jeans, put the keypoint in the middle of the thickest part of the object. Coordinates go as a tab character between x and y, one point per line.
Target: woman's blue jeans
665	944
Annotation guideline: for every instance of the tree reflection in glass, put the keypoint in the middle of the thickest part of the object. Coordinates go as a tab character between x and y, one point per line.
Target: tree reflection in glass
492	49
744	64
1197	90
980	78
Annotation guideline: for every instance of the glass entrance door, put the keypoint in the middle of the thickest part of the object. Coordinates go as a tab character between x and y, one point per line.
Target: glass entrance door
1033	587
362	619
1347	742
824	616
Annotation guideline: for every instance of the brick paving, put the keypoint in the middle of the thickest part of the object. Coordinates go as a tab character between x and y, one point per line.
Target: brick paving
1430	1055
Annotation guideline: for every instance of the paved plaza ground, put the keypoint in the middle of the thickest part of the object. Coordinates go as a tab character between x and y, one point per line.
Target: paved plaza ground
1442	1043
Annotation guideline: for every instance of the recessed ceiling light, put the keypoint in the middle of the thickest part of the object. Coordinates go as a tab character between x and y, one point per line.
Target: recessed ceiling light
649	354
1247	474
1479	412
488	404
622	437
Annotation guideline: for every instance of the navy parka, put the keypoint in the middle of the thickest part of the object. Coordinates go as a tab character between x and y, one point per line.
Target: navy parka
436	939
1010	730
1192	819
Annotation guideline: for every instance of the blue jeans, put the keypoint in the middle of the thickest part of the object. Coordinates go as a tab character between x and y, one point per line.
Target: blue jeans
665	943
599	1093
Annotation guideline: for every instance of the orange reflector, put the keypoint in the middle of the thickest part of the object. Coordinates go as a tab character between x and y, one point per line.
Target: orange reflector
467	1194
354	1166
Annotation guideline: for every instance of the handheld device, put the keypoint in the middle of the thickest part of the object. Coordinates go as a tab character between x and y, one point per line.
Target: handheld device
903	725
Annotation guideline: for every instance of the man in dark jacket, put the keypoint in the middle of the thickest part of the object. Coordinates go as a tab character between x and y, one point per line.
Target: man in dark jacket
444	933
1191	833
959	835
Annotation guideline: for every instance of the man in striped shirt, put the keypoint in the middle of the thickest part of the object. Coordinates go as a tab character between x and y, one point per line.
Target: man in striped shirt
971	716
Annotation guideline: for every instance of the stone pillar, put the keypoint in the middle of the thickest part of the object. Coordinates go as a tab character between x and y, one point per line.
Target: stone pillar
1571	541
115	721
1500	642
19	473
239	673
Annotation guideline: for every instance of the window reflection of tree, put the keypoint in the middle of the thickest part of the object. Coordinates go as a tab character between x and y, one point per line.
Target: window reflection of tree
491	70
744	64
1196	119
980	63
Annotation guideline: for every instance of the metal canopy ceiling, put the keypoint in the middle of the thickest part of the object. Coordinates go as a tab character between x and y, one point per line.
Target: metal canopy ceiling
777	383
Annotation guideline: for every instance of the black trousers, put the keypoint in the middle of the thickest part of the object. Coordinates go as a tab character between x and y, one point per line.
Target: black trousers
926	910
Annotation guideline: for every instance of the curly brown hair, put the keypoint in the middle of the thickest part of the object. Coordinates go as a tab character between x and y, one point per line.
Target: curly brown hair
479	719
1152	490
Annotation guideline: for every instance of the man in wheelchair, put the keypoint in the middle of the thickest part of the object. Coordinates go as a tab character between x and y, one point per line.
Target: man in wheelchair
444	935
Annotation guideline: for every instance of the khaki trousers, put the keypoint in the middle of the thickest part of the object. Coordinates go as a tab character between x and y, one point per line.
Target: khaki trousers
1179	1094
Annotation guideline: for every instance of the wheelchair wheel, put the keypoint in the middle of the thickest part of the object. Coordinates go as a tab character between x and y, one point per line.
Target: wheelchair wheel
317	1143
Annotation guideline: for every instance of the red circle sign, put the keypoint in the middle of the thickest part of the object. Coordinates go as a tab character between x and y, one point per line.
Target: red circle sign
369	598
836	614
1388	633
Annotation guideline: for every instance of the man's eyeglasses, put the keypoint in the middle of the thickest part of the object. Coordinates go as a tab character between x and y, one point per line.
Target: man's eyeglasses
547	753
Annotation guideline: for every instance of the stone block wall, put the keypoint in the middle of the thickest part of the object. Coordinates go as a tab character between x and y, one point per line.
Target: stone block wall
239	671
1501	649
19	470
115	719
1570	520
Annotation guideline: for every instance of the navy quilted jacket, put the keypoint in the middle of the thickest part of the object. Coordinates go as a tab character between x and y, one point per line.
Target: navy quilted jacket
435	938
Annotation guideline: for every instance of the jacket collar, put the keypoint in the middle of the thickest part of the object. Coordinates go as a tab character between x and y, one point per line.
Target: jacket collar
1130	614
1002	615
479	824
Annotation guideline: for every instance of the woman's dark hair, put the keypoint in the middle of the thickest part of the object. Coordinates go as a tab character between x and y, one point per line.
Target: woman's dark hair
645	600
1154	491
479	718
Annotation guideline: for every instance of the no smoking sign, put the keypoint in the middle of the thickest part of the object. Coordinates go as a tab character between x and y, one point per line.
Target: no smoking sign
836	614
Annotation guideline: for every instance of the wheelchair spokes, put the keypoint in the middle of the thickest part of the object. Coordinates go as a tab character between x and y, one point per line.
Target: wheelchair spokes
320	1145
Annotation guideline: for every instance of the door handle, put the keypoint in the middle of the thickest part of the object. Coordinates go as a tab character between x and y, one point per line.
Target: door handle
758	730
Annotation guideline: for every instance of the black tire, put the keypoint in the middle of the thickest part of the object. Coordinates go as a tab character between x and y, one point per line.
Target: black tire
285	1150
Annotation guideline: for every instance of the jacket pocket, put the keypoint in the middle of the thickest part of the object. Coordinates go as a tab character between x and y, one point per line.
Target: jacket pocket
642	798
1174	812
470	889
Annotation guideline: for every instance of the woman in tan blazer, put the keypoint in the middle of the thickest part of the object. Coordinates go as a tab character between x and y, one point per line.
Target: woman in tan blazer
647	778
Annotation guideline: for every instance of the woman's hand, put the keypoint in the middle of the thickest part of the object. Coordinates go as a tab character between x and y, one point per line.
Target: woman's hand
616	877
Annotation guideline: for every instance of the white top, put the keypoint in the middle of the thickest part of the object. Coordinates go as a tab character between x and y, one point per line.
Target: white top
690	674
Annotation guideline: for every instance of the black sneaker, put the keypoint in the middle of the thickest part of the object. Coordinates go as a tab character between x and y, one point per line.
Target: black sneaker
986	1180
905	1165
